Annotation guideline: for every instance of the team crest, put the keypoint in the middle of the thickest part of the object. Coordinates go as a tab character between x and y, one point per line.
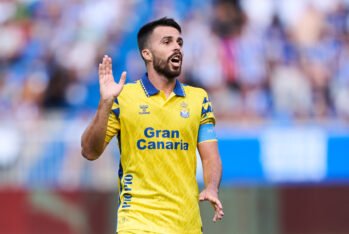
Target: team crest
184	111
144	109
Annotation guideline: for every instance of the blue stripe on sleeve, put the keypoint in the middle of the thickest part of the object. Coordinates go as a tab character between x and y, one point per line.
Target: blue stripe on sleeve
206	132
116	112
205	111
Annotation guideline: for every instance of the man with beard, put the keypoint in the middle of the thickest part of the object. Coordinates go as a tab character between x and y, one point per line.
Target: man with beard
159	123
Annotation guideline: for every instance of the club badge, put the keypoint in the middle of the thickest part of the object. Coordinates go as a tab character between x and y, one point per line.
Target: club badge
184	110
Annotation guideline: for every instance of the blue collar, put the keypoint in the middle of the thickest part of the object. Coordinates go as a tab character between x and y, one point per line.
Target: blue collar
150	90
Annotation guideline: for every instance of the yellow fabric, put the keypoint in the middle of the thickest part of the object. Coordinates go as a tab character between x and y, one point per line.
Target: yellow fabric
136	232
212	140
157	175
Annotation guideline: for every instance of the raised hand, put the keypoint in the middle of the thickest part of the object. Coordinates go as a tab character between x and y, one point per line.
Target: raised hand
109	89
212	197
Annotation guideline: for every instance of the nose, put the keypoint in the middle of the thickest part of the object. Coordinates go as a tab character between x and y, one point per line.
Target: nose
178	47
178	50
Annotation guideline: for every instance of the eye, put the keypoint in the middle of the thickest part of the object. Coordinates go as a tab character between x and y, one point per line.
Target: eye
166	41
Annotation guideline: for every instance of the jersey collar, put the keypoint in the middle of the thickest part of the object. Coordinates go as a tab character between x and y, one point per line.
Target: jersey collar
150	90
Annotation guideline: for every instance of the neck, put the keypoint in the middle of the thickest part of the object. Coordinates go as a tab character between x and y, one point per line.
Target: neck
161	82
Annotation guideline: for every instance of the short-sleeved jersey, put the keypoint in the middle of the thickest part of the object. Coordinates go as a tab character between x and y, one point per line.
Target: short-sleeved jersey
158	139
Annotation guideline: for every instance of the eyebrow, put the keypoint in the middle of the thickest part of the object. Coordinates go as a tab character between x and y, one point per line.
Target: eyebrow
171	37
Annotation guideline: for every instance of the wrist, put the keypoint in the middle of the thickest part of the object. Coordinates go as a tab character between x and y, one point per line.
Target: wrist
212	188
107	99
105	103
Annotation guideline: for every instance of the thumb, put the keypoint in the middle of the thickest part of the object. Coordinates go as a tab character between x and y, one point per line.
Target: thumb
122	78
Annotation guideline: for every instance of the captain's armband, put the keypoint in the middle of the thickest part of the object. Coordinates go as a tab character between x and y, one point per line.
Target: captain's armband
207	133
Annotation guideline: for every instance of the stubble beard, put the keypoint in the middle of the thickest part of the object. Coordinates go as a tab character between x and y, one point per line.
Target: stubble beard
162	67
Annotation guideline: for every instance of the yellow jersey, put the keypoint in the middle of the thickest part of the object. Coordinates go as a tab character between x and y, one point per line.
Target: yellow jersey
158	137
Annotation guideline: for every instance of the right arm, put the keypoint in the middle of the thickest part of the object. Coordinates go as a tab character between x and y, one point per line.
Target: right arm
93	139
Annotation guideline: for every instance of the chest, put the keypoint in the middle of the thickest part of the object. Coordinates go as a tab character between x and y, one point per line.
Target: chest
175	114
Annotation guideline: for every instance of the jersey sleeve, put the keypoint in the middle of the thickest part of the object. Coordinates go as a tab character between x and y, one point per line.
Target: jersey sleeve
207	115
207	133
113	126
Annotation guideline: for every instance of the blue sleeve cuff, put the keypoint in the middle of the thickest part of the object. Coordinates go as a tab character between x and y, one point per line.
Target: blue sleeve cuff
206	133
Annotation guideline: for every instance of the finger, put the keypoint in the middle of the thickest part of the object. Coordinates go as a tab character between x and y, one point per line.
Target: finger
216	202
218	207
108	66
217	217
105	65
219	211
122	78
104	61
100	70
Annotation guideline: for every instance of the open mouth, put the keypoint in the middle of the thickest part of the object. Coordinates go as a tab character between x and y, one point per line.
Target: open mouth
176	60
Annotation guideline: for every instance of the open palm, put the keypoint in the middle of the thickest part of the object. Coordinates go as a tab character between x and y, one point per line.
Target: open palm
109	89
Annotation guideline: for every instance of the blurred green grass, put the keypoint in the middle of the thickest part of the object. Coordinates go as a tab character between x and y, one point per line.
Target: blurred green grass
247	210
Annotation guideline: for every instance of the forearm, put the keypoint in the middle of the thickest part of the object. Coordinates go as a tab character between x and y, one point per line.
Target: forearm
211	164
212	171
93	139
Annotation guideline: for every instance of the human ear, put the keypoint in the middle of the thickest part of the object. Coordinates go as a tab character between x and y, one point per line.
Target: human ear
147	55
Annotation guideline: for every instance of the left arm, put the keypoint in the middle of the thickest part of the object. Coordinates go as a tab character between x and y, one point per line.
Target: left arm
212	170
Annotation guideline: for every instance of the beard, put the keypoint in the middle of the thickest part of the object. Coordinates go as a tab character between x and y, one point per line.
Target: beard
163	67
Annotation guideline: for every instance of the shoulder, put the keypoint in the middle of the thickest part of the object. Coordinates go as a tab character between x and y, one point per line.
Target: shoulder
194	91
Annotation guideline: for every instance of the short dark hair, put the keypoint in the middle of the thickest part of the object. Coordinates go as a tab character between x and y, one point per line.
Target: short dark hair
147	29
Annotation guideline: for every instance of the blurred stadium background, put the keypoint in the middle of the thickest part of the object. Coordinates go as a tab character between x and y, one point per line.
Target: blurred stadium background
278	75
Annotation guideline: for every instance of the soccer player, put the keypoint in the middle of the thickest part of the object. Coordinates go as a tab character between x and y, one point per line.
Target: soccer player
159	123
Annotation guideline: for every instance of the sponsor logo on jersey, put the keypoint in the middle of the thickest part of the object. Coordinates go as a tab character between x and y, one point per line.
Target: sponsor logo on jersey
144	109
127	187
161	139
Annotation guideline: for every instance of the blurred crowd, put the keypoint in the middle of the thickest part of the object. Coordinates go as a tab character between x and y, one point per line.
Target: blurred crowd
260	60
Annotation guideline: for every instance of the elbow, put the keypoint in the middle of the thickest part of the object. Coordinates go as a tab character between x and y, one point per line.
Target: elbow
89	150
88	154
